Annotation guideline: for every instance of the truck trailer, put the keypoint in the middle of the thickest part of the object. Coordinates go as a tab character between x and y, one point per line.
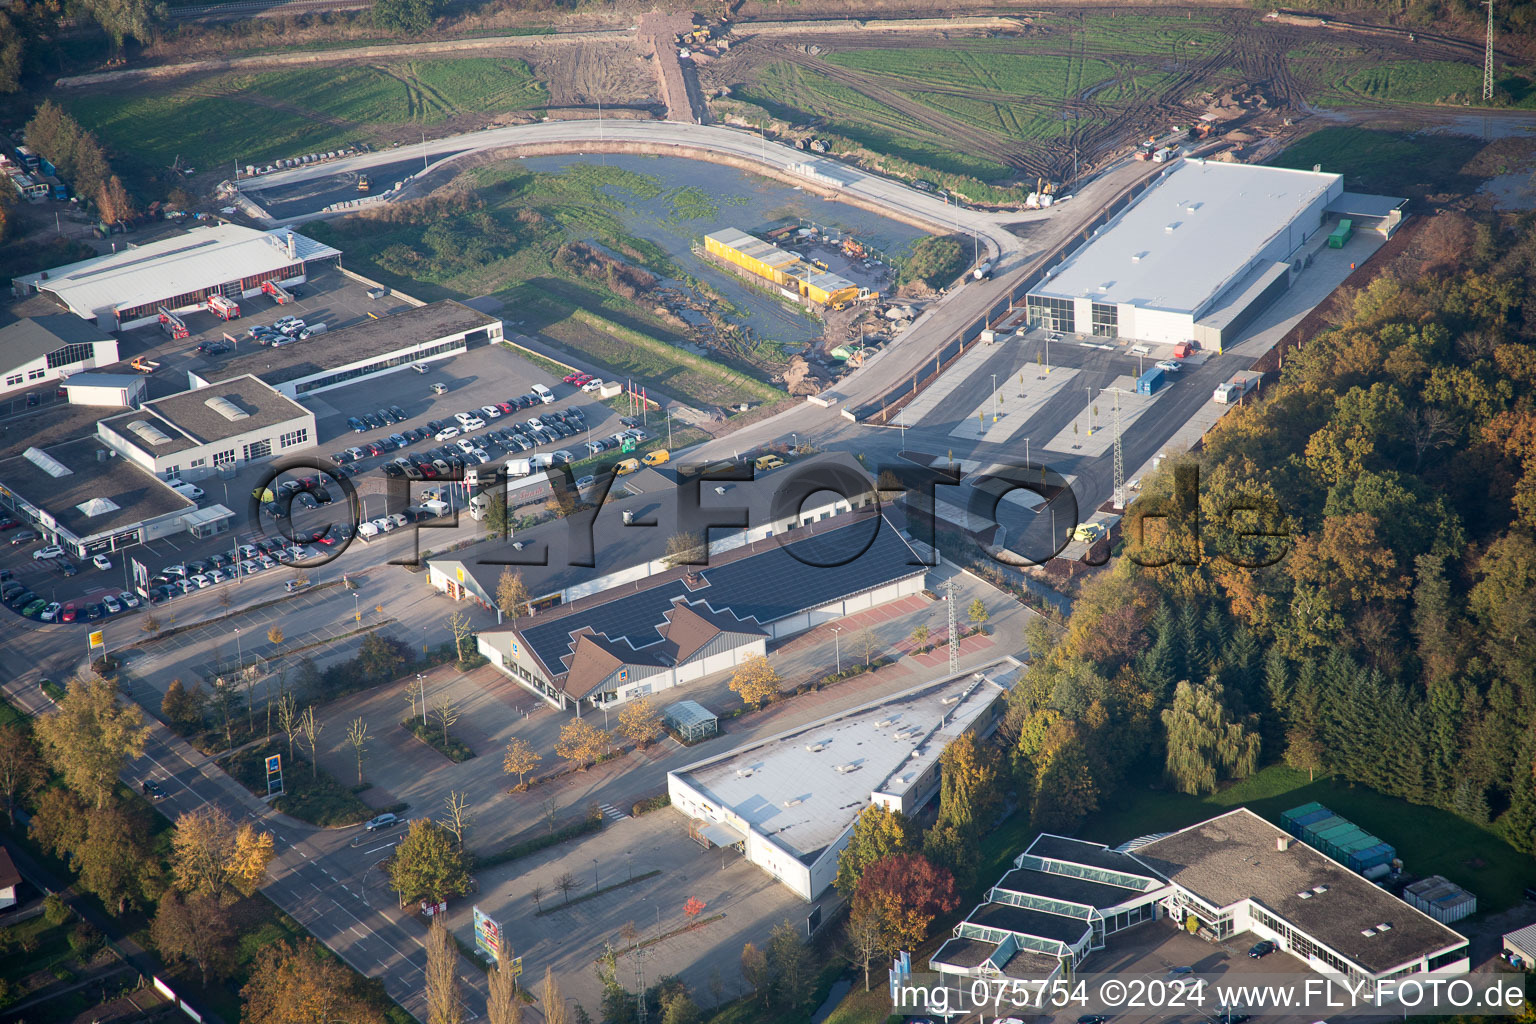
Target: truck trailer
1152	380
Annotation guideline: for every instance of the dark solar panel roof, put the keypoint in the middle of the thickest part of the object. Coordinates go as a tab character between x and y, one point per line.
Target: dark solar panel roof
1091	854
769	584
1065	887
1028	922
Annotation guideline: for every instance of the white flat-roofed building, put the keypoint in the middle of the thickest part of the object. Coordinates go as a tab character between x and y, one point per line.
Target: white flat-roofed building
127	288
789	802
1194	258
196	433
120	390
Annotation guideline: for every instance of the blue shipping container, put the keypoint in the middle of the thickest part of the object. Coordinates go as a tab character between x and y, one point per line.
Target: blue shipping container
1149	382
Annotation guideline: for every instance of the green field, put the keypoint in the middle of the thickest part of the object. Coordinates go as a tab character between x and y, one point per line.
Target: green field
1397	163
257	118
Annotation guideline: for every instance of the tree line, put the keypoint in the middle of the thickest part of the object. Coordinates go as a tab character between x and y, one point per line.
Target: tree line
56	136
1373	615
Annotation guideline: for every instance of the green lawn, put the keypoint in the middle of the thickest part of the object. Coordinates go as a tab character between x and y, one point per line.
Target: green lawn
1429	841
1396	163
1007	74
257	118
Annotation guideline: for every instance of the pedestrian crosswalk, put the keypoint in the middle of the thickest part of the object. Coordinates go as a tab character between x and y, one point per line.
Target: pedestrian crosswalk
611	812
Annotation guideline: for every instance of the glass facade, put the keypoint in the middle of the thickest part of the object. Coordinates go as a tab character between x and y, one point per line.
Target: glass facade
293	437
1106	320
70	354
457	345
258	450
1052	313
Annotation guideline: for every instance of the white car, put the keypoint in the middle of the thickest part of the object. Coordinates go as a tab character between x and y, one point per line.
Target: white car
384	524
249	551
200	581
399	520
1170	365
592	385
366	530
446	433
174	570
474	423
111	604
102	562
250	567
51	551
266	562
51	612
465	445
187	586
491	412
216	575
130	600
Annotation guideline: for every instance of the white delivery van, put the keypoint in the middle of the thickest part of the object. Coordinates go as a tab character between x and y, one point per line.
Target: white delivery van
545	395
435	506
186	490
366	530
478	505
519	467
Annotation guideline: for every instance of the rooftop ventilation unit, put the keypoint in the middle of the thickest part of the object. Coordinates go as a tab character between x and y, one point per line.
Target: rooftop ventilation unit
149	433
1384	927
47	463
1135	257
885	722
953	699
1305	894
844	769
795	802
1318	890
1367	932
816	748
744	773
229	410
1168	229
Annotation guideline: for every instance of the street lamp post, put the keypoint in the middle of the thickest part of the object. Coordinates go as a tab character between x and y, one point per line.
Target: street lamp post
421	688
594	873
357	609
994	398
837	647
239	654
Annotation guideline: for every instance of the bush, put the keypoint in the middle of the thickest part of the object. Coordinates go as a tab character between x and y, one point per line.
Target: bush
455	749
55	910
318	799
84	938
655	803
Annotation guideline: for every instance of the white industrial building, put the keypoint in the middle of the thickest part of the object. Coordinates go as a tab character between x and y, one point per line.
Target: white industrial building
129	287
1200	253
789	802
221	427
39	349
115	390
83	496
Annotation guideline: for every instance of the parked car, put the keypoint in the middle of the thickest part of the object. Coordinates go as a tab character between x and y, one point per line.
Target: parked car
101	562
357	425
1259	950
382	821
439	389
23	537
129	599
51	612
69	613
51	551
111	604
592	385
1170	365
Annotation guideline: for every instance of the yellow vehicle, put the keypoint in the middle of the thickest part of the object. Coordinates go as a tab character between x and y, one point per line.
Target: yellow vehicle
1088	533
767	462
627	466
363	184
657	458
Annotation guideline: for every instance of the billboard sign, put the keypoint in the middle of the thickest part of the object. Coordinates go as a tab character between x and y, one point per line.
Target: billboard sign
98	639
487	934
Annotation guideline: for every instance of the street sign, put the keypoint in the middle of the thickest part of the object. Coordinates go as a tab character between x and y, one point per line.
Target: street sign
98	639
517	966
275	764
487	934
430	909
275	774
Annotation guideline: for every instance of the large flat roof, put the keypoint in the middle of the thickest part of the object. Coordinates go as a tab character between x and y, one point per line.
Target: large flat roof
758	584
655	499
803	787
347	345
92	495
194	418
1222	216
1235	857
178	265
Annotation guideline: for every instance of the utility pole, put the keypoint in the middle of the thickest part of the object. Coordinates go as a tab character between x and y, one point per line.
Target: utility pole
1119	460
640	982
954	637
1488	57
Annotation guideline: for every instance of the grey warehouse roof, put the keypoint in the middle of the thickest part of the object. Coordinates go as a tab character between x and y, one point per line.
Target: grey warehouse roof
36	336
1235	857
133	495
190	419
1220	214
367	340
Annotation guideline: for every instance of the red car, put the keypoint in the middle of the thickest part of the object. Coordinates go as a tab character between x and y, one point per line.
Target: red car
570	378
582	378
427	470
506	407
8	524
69	613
